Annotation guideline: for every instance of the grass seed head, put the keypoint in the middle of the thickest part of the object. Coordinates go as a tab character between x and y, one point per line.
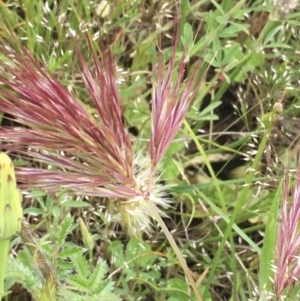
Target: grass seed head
98	157
287	262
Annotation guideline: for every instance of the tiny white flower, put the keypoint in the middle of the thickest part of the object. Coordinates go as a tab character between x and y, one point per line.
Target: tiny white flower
284	7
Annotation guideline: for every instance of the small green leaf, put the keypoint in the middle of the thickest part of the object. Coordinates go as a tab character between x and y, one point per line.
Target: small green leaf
209	109
177	288
75	204
33	211
64	229
56	211
71	252
140	252
188	36
266	273
222	20
86	236
117	254
271	34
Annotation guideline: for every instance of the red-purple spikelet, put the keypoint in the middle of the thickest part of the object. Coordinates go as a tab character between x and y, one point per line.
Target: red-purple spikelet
287	260
59	121
90	154
169	104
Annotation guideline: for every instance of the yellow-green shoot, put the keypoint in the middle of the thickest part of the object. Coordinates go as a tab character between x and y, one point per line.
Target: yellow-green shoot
10	212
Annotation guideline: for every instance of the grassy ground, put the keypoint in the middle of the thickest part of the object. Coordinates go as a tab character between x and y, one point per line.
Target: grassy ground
224	167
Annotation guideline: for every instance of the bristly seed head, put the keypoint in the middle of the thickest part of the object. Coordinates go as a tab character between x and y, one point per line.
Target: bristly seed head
88	155
136	215
287	262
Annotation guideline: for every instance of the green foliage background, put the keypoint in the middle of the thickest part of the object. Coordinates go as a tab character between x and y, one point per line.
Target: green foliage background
221	210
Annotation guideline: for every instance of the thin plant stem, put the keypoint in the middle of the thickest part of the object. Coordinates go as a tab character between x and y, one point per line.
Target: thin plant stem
176	250
4	251
34	251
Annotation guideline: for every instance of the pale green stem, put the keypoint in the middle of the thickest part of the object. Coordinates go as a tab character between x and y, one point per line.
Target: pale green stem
4	251
48	292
